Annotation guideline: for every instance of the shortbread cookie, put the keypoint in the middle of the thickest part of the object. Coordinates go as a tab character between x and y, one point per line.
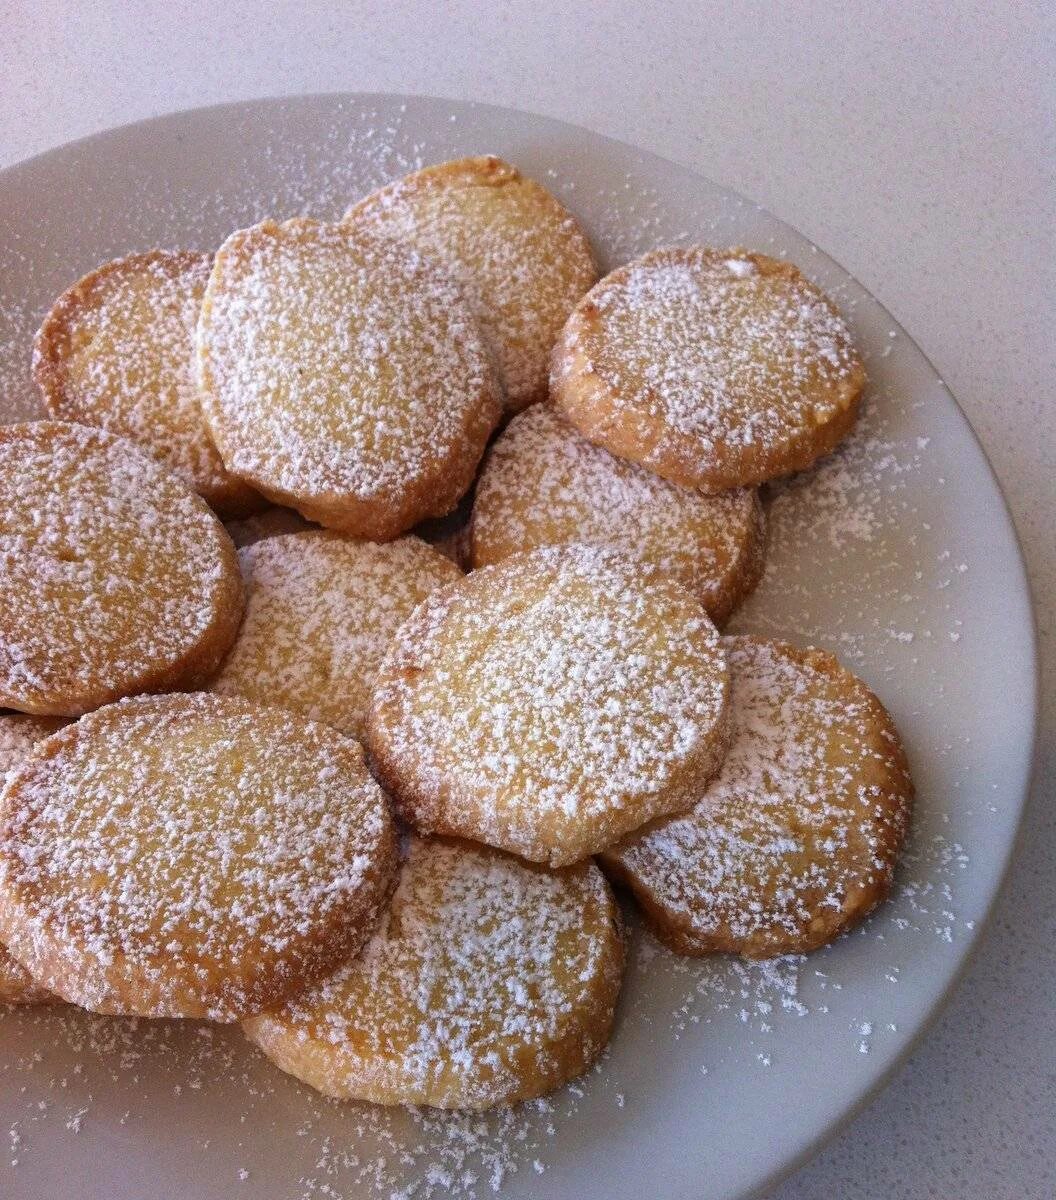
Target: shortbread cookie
544	484
489	981
550	704
117	351
343	376
271	522
19	733
796	838
191	856
713	368
114	576
321	610
517	252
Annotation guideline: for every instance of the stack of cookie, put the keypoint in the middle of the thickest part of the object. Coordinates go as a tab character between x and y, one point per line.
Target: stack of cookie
361	789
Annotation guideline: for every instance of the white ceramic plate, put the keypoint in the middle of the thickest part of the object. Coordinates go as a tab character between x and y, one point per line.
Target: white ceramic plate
897	553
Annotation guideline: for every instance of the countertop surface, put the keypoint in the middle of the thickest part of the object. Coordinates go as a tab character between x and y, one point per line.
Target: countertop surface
914	143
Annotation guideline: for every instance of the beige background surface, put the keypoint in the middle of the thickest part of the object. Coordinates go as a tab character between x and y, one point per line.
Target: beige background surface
915	143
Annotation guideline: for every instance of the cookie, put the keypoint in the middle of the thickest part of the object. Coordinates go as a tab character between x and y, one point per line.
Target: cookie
517	252
191	856
489	981
796	838
544	484
550	704
114	576
19	733
321	610
713	368
117	351
343	376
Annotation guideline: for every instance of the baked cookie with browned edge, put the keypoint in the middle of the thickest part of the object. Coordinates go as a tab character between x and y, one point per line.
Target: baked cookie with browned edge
796	838
117	351
517	252
489	981
550	704
544	484
115	577
343	376
191	856
713	368
321	610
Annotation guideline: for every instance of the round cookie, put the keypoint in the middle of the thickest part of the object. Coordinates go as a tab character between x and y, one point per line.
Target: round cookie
19	733
191	856
321	610
795	840
489	981
550	704
544	484
713	368
343	376
518	253
114	576
117	351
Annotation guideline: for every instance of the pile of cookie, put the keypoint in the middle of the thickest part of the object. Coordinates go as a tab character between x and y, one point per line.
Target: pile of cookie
362	783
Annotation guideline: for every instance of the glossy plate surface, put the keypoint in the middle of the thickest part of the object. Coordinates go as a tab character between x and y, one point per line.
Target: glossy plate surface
897	553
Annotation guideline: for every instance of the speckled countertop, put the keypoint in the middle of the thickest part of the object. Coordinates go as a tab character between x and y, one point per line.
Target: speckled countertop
916	148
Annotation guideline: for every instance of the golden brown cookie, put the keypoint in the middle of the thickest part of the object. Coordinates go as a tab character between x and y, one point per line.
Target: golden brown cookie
796	838
489	981
321	610
544	484
114	576
117	351
713	368
517	252
191	856
550	704
343	376
19	733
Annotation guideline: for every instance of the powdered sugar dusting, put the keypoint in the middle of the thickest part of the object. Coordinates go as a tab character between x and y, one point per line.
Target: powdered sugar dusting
340	368
487	980
550	703
190	856
742	364
113	576
798	834
520	257
19	733
117	351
